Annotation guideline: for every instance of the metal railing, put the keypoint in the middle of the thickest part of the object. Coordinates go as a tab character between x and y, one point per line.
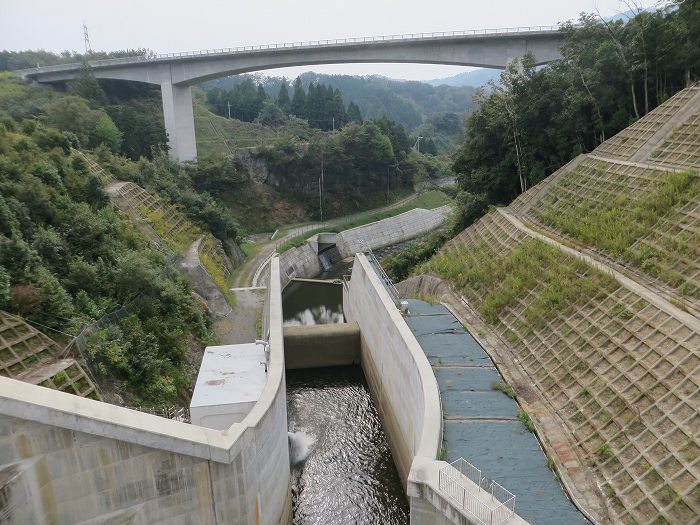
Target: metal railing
489	506
181	414
386	280
436	35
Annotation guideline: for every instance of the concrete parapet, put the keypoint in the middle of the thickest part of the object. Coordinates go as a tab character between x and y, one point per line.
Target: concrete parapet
66	460
430	504
321	345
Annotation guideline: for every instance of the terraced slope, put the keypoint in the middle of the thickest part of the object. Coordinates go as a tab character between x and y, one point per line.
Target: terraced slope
29	355
647	219
623	374
645	139
170	230
616	358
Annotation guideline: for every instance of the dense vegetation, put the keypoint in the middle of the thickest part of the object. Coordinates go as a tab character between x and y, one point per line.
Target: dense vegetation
612	73
407	103
67	257
534	120
362	164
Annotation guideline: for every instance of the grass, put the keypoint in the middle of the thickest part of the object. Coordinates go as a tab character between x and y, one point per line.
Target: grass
503	387
615	225
496	282
211	130
524	418
604	452
553	467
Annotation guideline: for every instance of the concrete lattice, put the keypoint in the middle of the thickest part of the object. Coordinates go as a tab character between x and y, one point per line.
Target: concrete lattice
665	252
624	375
632	139
29	355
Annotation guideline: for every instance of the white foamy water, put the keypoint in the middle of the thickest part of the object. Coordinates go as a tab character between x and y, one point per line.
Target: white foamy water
300	446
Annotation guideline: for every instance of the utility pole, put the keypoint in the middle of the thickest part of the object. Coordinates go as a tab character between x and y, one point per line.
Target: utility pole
333	124
86	39
320	189
229	109
417	144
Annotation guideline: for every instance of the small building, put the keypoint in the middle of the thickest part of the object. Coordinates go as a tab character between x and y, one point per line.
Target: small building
230	381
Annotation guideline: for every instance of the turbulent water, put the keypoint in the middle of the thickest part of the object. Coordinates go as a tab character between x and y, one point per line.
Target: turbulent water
342	469
312	303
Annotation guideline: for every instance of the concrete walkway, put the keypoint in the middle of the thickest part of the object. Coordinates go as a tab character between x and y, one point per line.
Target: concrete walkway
629	283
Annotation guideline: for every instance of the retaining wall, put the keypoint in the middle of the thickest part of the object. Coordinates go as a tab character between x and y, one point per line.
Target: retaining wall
299	262
70	460
398	373
392	230
407	396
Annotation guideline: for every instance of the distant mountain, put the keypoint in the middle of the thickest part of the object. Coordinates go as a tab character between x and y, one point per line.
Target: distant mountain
475	79
405	101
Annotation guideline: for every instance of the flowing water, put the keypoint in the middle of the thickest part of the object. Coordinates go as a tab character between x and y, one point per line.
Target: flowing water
342	468
307	303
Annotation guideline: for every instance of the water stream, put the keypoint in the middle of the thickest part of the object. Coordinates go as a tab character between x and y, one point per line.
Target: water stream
342	468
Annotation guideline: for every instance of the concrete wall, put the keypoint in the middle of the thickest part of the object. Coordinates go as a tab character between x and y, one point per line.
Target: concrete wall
407	396
390	231
69	460
298	262
398	373
321	345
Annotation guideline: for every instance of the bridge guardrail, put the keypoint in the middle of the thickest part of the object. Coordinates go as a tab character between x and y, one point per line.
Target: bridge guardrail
304	44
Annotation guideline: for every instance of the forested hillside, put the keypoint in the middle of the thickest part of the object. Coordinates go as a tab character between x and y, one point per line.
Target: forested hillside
612	73
534	120
68	257
406	102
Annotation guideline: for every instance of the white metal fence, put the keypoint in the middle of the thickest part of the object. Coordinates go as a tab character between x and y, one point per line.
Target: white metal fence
489	503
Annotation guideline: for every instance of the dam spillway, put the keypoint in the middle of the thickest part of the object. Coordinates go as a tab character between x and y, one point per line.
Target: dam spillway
342	469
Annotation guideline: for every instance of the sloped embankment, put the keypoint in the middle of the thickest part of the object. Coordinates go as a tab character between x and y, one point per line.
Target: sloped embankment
613	357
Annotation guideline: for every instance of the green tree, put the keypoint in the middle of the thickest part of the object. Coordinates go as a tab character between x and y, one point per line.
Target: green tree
107	133
283	100
85	85
271	115
354	114
299	100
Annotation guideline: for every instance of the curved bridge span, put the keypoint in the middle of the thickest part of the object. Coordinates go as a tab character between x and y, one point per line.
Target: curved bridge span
176	73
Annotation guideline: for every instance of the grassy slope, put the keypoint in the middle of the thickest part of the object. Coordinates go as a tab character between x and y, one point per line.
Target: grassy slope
217	135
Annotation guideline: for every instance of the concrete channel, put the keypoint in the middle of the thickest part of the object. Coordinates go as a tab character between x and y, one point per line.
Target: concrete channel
481	422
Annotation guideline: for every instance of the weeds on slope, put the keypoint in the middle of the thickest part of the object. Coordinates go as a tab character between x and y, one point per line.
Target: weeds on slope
495	282
619	225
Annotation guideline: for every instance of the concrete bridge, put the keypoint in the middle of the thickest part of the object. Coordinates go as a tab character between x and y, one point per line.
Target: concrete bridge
176	73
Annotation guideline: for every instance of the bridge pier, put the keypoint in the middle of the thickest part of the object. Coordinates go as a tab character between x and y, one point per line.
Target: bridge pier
179	121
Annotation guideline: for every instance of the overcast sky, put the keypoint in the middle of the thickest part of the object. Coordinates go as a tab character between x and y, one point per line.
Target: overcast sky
176	25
